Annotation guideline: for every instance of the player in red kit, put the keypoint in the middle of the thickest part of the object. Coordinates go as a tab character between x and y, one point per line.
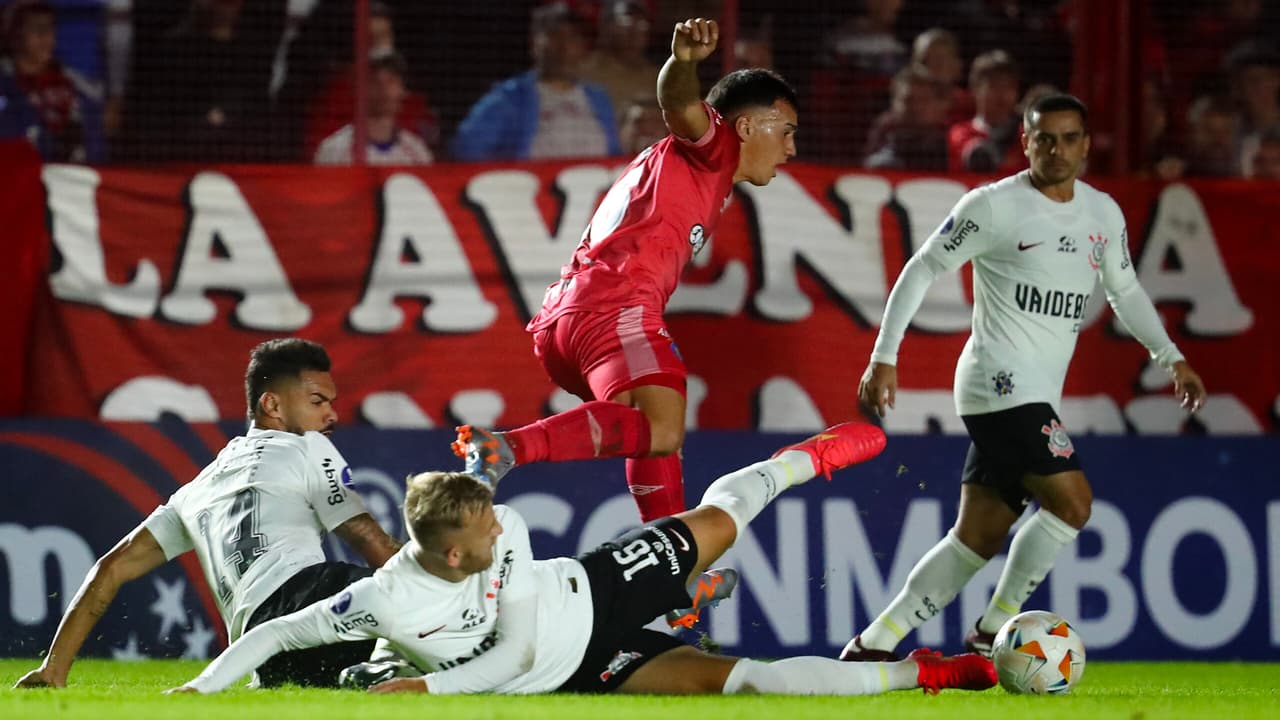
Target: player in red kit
600	333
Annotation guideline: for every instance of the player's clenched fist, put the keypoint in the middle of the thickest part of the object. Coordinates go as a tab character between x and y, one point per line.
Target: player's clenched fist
694	39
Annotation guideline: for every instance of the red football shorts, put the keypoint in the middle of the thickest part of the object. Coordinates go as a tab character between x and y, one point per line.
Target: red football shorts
596	355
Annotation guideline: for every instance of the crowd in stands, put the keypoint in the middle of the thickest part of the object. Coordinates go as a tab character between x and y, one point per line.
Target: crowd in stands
921	85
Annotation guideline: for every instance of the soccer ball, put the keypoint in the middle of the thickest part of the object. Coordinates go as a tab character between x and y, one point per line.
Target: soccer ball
1038	653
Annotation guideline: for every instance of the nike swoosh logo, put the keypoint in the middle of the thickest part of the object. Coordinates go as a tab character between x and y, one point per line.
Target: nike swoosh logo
684	544
1024	246
429	632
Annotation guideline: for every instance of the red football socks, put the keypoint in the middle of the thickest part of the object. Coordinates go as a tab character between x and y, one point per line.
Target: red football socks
657	485
597	429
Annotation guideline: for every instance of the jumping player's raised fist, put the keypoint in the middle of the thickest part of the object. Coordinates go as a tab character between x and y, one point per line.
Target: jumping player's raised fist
694	39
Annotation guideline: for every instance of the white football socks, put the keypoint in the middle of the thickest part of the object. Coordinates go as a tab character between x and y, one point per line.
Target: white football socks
819	676
1031	554
933	583
744	493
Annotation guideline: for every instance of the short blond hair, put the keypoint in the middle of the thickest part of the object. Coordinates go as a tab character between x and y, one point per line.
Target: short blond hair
435	502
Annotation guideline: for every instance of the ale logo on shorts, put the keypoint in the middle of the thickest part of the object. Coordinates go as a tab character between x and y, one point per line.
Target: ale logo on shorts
1059	443
697	238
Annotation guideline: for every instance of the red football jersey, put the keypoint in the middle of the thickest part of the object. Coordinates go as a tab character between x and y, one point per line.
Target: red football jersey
649	225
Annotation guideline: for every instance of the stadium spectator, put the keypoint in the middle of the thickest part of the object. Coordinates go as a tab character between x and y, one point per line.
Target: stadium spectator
255	517
1264	162
1039	234
754	46
1213	130
938	50
642	125
912	133
547	112
200	94
868	41
67	105
464	547
1204	31
332	106
850	86
1037	29
1254	69
988	142
388	142
619	62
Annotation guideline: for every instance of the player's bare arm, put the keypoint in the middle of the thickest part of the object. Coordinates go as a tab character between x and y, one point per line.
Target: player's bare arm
364	535
879	387
134	556
1187	386
678	91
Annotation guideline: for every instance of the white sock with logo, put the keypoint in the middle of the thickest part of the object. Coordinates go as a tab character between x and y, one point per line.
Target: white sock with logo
932	584
744	493
1031	554
819	676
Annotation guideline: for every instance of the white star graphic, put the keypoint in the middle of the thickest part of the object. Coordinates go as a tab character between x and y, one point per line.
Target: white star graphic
168	605
197	641
129	652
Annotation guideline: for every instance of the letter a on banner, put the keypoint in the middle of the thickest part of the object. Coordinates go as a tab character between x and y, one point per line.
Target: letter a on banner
413	218
219	212
1181	225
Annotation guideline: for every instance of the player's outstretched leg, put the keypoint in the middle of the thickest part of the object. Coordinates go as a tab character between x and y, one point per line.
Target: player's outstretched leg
839	446
596	429
922	669
733	500
969	671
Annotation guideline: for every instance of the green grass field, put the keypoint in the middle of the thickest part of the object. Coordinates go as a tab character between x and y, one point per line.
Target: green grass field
1132	691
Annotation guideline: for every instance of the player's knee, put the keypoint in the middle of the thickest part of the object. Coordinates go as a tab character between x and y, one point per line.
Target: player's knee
1074	512
988	545
985	540
665	439
1073	509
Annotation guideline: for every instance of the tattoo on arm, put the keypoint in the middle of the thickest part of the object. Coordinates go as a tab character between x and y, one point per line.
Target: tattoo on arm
364	535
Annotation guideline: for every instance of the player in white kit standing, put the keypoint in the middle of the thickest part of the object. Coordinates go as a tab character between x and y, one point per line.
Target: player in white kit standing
1038	241
255	517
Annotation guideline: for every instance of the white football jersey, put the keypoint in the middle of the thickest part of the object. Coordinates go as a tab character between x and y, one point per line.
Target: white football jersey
437	624
1035	264
256	515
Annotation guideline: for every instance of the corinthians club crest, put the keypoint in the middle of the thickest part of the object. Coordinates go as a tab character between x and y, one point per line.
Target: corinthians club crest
1059	443
1098	250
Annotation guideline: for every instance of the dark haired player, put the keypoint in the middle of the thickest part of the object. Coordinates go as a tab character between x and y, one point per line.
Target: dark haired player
1039	241
255	518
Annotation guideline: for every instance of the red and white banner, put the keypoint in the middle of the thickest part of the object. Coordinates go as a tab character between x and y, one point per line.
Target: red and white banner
420	282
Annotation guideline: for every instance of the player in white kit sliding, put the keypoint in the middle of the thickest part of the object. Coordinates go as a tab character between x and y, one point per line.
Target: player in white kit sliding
467	605
255	518
1038	241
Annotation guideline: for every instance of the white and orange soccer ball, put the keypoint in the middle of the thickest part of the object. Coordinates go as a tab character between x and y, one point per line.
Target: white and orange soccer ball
1038	653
